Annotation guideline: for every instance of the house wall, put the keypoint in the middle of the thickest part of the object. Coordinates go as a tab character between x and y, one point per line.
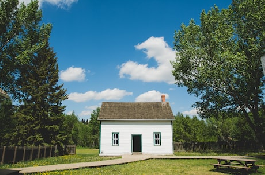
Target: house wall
126	129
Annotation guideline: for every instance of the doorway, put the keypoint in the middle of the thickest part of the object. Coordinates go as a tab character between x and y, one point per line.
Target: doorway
136	143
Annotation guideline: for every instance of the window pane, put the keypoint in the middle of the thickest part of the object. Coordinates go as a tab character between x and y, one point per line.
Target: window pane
157	138
115	139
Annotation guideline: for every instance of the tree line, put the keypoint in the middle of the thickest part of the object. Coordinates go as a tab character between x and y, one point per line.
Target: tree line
81	133
219	129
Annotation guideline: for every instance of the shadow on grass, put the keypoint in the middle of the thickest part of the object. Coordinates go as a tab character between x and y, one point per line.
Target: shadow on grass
235	171
262	157
9	172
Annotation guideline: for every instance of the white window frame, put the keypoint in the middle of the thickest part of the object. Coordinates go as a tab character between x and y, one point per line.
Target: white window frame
115	139
157	140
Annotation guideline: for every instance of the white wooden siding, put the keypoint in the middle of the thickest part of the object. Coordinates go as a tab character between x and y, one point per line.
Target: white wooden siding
126	129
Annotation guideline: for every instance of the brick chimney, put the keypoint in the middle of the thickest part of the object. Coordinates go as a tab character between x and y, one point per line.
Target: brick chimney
163	97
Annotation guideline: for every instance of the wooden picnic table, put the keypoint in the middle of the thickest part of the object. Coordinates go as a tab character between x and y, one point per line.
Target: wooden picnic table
234	162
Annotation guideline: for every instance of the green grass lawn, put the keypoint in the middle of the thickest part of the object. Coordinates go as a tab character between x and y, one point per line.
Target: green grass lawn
159	166
152	166
82	155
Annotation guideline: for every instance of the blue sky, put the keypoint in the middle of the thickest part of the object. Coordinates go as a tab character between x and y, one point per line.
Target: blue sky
119	50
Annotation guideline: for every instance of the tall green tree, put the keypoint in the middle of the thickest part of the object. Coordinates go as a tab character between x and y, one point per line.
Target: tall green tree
94	128
42	97
29	73
224	128
83	135
20	28
71	128
187	129
219	62
7	121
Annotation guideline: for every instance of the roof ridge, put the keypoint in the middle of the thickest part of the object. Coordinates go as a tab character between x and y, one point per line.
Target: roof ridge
135	110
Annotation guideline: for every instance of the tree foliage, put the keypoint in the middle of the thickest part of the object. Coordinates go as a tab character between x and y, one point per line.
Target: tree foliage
29	73
21	35
84	134
187	129
71	129
41	96
7	121
94	128
219	62
222	129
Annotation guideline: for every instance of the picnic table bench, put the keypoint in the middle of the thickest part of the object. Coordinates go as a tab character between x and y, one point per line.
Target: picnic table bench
238	163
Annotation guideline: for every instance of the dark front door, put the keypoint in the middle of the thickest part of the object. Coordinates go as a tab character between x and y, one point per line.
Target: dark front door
136	143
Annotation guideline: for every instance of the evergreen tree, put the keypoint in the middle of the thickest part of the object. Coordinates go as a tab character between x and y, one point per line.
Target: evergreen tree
7	122
42	110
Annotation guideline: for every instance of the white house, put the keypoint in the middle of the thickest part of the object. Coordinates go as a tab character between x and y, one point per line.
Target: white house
140	127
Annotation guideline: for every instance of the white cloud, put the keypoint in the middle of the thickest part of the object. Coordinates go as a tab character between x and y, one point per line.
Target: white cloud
108	94
171	89
59	3
191	112
88	111
150	96
158	49
73	74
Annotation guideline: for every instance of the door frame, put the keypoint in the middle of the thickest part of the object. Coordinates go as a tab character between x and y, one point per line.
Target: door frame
132	135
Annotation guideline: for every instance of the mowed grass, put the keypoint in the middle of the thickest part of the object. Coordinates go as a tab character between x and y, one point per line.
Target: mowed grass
214	153
169	166
82	155
158	166
152	166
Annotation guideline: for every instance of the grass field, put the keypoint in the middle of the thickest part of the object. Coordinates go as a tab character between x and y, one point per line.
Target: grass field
159	166
82	155
148	167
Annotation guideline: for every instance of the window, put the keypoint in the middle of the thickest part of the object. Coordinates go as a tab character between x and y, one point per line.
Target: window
115	139
157	138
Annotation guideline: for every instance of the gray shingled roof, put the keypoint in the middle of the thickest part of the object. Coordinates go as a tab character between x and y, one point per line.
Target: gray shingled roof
137	110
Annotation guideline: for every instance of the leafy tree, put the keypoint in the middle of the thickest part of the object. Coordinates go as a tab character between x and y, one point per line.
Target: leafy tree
83	135
219	62
20	26
178	129
224	128
71	128
29	72
186	129
243	131
94	128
